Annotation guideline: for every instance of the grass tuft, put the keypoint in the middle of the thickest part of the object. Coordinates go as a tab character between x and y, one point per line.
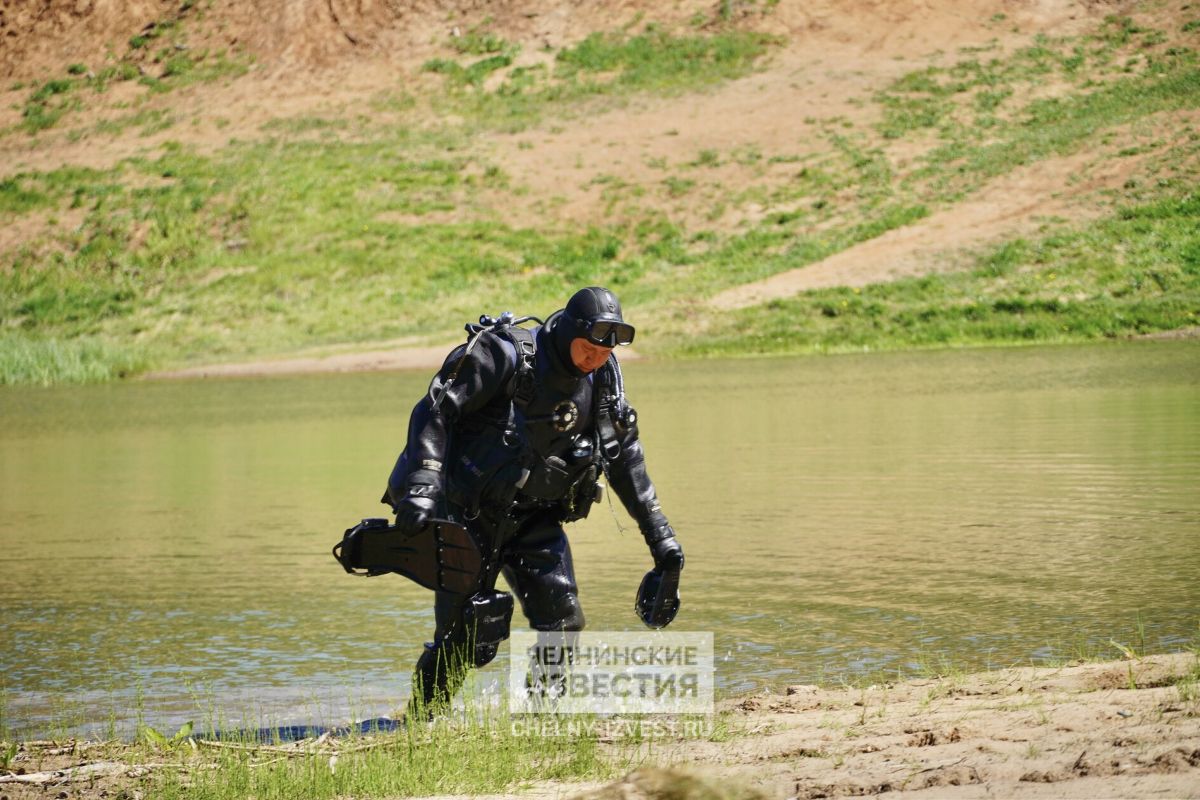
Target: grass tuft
603	65
44	362
657	60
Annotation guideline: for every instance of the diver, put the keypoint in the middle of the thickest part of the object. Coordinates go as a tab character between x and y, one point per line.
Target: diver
512	440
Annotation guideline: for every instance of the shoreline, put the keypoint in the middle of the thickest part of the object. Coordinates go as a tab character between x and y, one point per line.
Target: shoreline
375	360
389	360
1127	728
427	357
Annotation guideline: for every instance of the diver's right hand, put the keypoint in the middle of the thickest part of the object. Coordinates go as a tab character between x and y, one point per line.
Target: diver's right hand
417	507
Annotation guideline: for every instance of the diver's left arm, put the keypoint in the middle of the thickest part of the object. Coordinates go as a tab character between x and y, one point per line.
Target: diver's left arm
628	477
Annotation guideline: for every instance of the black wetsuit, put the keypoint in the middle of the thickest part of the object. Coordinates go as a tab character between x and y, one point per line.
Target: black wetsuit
486	436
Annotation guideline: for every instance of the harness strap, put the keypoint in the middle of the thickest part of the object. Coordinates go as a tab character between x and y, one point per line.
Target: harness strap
521	388
453	376
607	384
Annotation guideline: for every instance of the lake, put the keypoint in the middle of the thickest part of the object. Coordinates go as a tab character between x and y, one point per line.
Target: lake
164	546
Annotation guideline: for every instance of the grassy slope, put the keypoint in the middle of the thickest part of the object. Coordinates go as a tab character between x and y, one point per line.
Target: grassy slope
386	224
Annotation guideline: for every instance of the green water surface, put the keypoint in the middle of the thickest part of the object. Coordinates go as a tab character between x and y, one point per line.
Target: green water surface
164	547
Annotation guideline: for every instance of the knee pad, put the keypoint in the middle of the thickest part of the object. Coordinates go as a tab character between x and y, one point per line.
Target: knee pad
486	619
565	615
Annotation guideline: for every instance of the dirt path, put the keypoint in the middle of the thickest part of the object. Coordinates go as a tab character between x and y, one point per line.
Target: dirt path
1013	205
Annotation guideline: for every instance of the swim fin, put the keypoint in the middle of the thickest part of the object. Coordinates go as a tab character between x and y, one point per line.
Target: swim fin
441	556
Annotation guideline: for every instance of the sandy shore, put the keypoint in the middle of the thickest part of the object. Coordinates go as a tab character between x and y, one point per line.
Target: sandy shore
1114	729
373	360
1078	731
407	357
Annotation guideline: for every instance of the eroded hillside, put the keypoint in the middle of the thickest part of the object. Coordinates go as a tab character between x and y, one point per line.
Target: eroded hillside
197	181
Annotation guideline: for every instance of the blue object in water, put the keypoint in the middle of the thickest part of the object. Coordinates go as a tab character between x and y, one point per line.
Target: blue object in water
298	733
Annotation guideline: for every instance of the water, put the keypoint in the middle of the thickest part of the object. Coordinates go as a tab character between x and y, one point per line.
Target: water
164	547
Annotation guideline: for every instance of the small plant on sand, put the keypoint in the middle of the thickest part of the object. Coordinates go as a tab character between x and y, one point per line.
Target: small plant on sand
150	736
47	104
862	704
481	42
1131	653
723	728
8	752
1188	684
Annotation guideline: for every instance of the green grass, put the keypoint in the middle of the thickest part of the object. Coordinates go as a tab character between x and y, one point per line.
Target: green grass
1059	126
148	121
489	754
476	747
17	198
30	361
479	42
486	758
47	104
52	100
604	66
307	252
986	125
472	75
1187	685
659	61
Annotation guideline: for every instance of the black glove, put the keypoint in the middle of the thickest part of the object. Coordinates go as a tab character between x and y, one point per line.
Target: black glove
664	548
416	509
658	597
